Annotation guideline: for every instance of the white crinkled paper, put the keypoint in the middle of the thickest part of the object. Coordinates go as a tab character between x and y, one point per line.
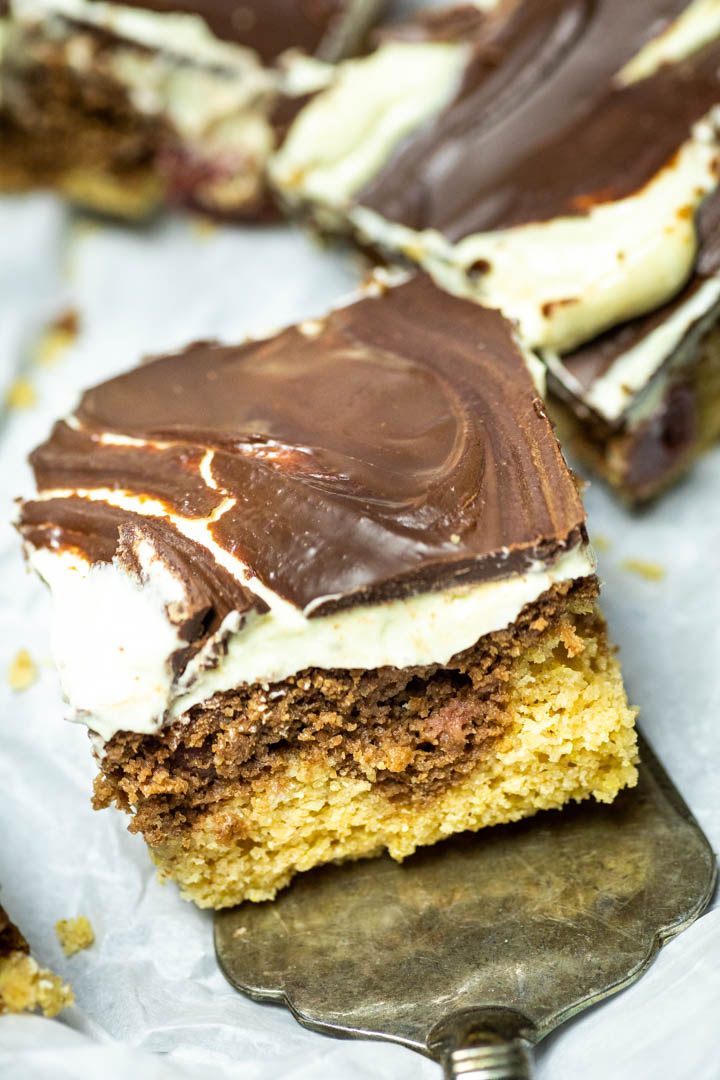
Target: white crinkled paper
151	1002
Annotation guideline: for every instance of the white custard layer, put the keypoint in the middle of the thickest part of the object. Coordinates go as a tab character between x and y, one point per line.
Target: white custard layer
347	134
113	637
614	392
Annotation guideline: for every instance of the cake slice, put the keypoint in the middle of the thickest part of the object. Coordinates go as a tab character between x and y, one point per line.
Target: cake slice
327	594
126	106
642	401
24	985
559	173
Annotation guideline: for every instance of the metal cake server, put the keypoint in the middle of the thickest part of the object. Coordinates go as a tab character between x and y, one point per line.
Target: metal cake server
474	950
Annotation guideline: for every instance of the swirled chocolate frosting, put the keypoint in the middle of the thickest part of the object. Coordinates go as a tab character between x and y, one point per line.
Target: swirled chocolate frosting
541	127
399	445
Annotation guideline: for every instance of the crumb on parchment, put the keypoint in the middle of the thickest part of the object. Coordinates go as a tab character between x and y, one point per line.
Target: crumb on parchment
203	227
25	986
74	934
58	336
22	671
20	394
649	570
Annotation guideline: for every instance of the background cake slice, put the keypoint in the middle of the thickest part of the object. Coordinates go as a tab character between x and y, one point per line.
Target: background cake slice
24	985
561	174
125	106
327	593
642	401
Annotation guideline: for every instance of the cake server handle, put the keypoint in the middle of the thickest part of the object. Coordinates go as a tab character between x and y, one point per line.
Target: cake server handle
482	1044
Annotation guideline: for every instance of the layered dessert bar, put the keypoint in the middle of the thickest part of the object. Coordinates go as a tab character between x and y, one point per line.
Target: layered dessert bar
642	400
125	106
326	594
24	985
557	172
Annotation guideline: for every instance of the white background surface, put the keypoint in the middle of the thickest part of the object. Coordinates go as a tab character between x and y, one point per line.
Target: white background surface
150	1000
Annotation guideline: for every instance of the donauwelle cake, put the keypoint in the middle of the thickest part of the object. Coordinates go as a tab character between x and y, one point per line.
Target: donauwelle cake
326	594
555	164
642	400
24	985
125	106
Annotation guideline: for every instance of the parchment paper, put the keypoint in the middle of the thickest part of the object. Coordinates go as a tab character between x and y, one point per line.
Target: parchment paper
150	999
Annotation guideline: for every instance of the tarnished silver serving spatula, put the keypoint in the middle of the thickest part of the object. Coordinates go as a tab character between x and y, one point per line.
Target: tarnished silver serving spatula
473	950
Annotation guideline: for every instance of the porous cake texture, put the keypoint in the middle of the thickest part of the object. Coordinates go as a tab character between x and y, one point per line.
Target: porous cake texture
353	600
258	783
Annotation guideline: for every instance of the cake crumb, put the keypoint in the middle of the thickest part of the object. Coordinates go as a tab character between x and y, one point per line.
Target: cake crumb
74	934
203	227
240	931
25	986
20	394
649	570
60	334
22	672
311	328
601	543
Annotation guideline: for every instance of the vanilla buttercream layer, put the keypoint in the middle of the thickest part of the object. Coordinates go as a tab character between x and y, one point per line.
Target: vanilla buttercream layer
114	638
342	139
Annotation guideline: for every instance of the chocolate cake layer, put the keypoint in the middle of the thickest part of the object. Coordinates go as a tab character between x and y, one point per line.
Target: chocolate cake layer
79	129
413	731
397	445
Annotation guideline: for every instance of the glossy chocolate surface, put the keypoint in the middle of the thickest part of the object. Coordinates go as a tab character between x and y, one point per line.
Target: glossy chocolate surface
540	128
396	447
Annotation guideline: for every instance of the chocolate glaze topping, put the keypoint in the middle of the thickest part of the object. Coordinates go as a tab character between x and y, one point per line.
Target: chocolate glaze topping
399	446
268	26
540	128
